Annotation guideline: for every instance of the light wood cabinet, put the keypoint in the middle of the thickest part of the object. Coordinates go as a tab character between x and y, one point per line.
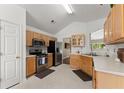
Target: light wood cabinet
30	66
110	27
75	61
37	35
46	40
85	63
77	40
50	59
41	36
119	21
108	81
94	79
29	37
114	25
106	32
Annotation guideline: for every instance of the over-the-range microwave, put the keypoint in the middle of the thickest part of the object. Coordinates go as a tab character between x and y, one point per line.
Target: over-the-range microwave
38	42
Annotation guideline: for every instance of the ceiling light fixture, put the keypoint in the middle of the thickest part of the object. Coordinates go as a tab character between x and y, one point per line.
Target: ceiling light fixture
68	8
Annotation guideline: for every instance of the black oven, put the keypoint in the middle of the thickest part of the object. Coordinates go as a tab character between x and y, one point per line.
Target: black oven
38	42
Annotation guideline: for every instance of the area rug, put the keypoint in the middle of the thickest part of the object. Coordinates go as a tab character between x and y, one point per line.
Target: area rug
82	75
44	73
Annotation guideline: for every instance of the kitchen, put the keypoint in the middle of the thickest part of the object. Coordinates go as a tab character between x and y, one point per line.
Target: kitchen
42	52
61	50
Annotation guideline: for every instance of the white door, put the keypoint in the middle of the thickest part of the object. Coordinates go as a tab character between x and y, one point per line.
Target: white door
10	53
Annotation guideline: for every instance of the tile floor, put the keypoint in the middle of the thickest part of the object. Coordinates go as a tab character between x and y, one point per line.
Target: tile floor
61	78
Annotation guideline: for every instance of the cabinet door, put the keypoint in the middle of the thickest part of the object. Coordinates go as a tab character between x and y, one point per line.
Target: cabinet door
36	35
94	79
75	61
30	66
29	37
106	32
46	39
50	59
87	65
113	24
110	27
118	27
42	36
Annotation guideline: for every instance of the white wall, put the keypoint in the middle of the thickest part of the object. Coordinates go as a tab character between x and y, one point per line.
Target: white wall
73	28
17	15
96	25
79	27
34	29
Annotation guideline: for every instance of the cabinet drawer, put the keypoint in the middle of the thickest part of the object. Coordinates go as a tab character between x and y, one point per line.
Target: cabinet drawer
30	66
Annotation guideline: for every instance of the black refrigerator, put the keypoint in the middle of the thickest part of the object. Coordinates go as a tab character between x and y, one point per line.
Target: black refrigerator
57	56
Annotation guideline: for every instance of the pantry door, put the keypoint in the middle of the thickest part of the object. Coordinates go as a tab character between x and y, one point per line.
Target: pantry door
10	54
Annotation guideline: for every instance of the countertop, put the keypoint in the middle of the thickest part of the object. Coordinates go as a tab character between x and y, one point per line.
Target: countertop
107	65
30	56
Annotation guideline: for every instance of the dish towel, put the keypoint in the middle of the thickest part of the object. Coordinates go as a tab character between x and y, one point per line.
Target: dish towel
43	60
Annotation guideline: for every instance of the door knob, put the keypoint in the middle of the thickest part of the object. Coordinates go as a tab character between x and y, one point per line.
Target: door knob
17	57
1	54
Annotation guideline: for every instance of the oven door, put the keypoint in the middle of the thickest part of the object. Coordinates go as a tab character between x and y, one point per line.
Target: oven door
42	61
41	64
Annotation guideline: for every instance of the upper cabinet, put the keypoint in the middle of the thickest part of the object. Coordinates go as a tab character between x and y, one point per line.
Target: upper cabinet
31	35
114	25
119	21
77	40
36	35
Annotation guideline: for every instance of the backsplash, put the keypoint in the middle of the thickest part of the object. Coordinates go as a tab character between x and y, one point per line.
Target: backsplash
110	50
82	50
76	49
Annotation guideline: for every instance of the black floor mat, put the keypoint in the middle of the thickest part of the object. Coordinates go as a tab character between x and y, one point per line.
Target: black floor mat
82	75
44	73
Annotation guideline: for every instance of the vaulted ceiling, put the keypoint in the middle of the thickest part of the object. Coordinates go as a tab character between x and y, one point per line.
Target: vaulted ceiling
40	15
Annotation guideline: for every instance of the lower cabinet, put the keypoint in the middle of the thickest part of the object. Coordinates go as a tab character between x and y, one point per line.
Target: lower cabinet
30	66
75	61
50	59
104	80
85	63
94	79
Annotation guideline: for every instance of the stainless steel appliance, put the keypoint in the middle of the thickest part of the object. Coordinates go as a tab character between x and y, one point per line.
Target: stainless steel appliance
41	59
41	63
38	42
57	56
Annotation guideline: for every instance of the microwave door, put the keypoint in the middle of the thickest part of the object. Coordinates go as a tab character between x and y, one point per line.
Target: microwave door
38	43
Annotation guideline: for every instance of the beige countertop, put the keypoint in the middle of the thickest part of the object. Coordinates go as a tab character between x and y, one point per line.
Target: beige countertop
107	65
30	56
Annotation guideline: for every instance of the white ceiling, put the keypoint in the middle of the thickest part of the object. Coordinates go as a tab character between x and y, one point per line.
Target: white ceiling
40	15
